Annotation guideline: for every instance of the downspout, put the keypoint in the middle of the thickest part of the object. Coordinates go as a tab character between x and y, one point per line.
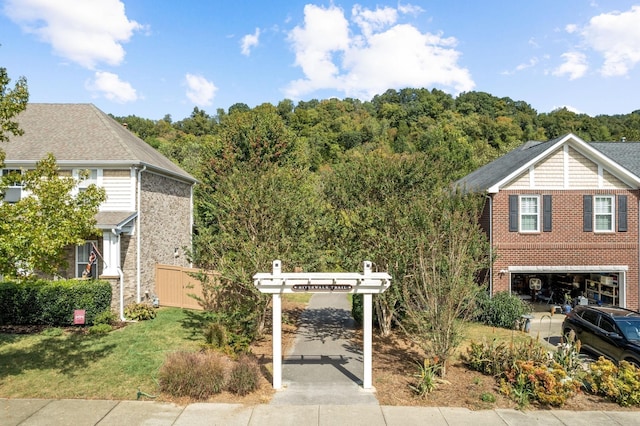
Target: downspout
191	227
490	245
138	236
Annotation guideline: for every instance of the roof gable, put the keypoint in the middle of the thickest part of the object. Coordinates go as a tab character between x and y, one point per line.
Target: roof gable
499	173
82	134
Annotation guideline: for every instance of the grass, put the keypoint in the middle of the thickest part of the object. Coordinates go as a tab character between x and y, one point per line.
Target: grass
61	364
111	366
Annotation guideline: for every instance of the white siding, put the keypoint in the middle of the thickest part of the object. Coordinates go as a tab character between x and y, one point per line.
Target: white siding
119	187
550	171
583	173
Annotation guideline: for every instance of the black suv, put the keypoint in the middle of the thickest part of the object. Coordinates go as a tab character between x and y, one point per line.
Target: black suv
606	331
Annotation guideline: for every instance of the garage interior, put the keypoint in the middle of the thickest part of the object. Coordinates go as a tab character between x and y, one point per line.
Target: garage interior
567	288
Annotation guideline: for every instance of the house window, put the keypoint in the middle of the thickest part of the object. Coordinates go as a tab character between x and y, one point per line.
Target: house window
603	213
529	213
86	260
13	191
90	179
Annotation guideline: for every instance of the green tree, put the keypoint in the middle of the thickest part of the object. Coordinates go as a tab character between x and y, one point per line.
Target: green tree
375	216
12	102
452	251
257	216
35	230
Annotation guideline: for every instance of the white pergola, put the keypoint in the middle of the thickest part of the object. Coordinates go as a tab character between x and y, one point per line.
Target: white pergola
278	283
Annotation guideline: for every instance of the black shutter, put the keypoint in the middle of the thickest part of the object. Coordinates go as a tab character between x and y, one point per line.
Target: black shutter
546	213
622	213
587	213
513	213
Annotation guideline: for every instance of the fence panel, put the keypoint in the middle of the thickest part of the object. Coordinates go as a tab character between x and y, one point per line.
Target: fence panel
174	284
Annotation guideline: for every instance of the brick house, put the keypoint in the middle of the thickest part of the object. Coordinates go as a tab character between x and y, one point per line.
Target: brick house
147	217
562	219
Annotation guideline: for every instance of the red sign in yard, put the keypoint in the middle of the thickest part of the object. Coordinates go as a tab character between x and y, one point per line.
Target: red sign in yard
78	316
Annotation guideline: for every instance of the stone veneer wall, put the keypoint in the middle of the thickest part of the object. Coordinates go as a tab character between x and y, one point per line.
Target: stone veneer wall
165	224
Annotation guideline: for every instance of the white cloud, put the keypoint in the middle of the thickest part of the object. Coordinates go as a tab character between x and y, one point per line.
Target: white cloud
384	54
111	87
200	91
616	36
85	32
575	65
571	28
249	41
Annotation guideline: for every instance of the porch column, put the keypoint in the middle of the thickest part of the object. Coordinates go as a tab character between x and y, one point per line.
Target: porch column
110	254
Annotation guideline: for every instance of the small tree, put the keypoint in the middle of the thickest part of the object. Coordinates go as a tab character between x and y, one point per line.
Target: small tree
12	102
453	251
35	230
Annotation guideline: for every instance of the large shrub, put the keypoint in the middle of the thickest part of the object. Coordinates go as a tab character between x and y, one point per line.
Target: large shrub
195	375
52	302
502	310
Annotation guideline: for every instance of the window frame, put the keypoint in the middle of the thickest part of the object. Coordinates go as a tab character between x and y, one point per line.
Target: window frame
522	213
14	186
611	214
88	245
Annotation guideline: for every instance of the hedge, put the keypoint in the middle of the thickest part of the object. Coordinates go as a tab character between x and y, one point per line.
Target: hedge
52	302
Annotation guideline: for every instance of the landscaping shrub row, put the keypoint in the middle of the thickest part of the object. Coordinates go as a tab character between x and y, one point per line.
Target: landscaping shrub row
52	302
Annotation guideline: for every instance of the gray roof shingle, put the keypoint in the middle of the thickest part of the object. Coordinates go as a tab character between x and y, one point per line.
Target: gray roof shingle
84	135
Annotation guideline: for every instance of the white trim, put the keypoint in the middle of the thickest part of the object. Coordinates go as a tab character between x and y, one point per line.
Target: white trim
613	199
565	166
567	268
521	214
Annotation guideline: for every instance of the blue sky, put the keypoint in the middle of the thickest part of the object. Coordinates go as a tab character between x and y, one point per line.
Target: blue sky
150	58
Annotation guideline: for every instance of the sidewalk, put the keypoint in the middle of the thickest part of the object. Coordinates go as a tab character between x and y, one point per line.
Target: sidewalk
35	412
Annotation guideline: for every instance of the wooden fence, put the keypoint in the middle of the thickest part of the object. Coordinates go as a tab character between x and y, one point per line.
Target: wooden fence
174	284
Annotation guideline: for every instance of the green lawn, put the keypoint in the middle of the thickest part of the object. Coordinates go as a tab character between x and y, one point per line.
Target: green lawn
110	366
56	364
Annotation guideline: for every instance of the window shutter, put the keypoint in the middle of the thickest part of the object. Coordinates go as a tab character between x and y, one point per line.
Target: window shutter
546	209
513	213
622	213
587	213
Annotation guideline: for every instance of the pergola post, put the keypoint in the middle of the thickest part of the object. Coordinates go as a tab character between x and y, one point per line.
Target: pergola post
368	325
277	331
278	283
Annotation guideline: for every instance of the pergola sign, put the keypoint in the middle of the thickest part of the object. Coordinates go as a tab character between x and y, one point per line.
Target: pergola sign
278	283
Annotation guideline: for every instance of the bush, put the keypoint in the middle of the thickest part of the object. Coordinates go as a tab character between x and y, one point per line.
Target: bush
527	381
52	302
139	312
215	335
620	384
526	371
194	375
244	377
502	310
107	317
100	329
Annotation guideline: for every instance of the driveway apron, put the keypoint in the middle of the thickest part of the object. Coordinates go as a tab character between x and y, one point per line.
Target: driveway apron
324	366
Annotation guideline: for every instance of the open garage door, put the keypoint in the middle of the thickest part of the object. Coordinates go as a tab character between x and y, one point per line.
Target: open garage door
569	287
